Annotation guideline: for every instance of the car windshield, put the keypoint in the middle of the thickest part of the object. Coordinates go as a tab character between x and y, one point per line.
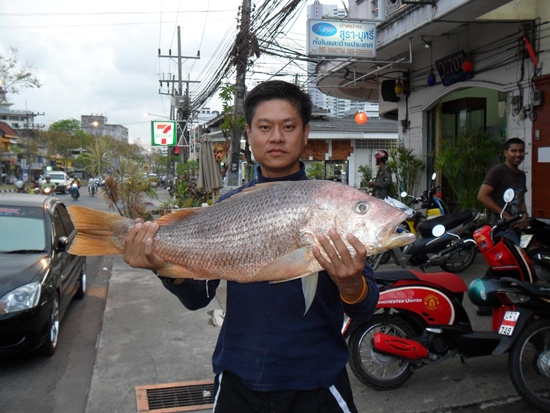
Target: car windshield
56	176
23	228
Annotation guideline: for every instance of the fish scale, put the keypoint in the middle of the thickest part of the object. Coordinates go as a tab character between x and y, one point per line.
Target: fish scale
267	227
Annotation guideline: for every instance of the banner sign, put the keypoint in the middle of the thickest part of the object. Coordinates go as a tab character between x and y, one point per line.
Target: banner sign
163	133
341	38
450	69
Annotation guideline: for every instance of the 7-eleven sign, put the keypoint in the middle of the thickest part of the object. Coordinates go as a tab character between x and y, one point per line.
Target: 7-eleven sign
163	133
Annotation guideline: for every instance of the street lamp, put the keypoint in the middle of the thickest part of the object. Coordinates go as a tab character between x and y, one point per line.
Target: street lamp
158	116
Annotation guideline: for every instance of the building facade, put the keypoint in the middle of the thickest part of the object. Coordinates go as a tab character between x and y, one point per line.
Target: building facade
465	66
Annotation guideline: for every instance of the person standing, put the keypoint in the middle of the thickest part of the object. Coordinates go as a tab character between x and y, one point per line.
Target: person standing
498	180
383	181
270	357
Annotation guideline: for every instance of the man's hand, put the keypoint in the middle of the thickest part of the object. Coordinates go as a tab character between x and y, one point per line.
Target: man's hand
138	247
346	271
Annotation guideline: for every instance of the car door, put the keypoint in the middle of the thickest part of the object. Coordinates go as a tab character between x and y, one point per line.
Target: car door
66	265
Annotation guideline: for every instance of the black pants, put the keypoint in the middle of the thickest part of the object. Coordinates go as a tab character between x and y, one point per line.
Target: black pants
233	397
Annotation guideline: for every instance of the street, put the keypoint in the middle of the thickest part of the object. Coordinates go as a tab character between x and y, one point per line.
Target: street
115	339
60	384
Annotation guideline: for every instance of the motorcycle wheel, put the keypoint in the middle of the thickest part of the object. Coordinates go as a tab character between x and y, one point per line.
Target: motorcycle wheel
529	364
460	260
378	370
376	260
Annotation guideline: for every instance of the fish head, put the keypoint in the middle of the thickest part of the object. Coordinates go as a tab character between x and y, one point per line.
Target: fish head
371	220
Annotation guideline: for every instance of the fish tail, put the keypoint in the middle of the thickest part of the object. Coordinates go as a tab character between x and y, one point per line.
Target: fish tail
98	233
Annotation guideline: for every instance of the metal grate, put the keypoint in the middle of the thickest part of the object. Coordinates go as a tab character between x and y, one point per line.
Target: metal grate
175	397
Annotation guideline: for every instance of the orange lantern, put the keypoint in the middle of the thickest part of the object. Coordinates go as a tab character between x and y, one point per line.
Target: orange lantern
361	118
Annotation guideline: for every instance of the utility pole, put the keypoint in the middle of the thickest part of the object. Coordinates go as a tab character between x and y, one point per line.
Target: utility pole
179	105
242	50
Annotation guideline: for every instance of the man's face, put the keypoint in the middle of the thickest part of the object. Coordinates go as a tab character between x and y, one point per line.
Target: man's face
515	154
277	138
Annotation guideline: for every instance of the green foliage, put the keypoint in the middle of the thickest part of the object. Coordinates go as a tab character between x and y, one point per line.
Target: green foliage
99	155
186	193
406	168
316	170
366	174
124	191
464	161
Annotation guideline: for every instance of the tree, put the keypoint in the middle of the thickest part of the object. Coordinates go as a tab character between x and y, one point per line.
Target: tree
464	160
406	168
13	77
316	170
227	94
98	155
65	135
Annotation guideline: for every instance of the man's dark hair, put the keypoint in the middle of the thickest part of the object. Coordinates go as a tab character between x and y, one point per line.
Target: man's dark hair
513	141
277	89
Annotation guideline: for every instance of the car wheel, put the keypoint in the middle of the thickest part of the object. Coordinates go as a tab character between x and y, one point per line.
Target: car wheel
81	292
50	345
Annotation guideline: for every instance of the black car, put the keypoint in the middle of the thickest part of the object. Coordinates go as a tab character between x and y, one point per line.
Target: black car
38	277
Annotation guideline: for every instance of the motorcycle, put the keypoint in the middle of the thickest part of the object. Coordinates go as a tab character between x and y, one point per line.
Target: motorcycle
429	205
92	190
423	320
448	251
46	191
525	332
536	242
426	250
75	193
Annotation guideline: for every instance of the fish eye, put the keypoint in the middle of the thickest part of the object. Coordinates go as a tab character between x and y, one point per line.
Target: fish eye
362	207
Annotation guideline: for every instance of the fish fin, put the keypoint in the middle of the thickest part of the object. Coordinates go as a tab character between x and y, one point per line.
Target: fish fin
286	268
309	287
95	232
252	189
177	271
176	216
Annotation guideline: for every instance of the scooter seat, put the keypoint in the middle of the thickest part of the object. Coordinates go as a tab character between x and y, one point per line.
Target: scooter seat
449	221
447	280
535	289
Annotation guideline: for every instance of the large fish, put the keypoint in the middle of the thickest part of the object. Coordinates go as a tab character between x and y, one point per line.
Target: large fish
264	233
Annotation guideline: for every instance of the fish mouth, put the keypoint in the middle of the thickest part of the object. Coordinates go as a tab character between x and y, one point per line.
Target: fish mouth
394	239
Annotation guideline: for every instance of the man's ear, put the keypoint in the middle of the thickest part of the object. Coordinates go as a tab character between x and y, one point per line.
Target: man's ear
306	133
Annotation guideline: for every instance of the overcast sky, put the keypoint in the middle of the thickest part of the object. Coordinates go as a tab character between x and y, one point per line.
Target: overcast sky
101	56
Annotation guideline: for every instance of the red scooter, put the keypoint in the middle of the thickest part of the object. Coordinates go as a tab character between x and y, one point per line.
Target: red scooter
422	320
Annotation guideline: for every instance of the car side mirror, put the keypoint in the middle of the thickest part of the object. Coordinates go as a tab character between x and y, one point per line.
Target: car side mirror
62	243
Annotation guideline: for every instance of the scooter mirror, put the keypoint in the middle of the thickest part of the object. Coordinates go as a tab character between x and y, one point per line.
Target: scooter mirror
508	195
403	194
434	175
438	230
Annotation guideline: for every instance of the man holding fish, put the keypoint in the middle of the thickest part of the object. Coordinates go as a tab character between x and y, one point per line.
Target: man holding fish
270	355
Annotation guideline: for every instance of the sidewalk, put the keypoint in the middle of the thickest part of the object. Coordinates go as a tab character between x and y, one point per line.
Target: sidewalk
149	338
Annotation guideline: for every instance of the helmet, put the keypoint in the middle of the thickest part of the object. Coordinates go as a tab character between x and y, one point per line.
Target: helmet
381	155
482	292
46	176
19	184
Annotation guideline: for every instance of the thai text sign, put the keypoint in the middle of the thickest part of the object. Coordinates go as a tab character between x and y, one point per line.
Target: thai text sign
450	69
163	133
341	38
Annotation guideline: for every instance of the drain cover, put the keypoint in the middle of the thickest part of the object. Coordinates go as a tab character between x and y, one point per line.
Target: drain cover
175	397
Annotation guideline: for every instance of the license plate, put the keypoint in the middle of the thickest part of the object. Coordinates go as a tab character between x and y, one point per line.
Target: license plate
508	323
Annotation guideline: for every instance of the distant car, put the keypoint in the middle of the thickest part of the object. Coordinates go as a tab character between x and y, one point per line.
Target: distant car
62	180
38	277
153	179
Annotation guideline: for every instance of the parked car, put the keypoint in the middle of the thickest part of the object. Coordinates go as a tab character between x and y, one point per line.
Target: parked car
38	277
153	179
